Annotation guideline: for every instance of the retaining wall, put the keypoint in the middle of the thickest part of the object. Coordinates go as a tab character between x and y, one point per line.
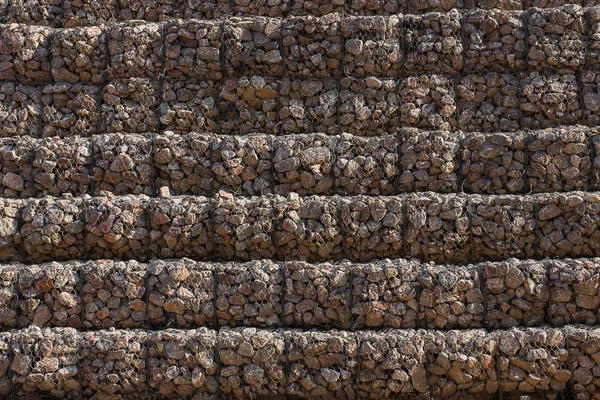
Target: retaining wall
402	294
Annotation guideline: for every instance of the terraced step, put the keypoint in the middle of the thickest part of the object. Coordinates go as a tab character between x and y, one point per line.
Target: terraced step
542	362
342	295
540	161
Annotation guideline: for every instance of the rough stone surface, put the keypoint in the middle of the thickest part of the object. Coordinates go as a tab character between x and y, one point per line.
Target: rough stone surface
559	160
130	106
516	293
372	227
135	49
322	364
567	225
462	364
429	161
123	164
549	99
392	364
33	12
183	163
450	297
556	37
312	47
493	163
376	7
8	311
89	12
266	8
114	294
437	228
584	345
189	106
70	109
385	294
182	363
428	102
303	164
249	105
489	103
574	291
372	45
249	294
20	109
494	40
590	97
10	235
203	9
243	165
149	10
114	363
307	228
62	166
502	227
49	295
193	49
181	227
53	229
181	294
79	55
243	227
432	43
117	227
253	362
25	53
533	361
46	363
366	166
253	46
317	295
369	106
308	106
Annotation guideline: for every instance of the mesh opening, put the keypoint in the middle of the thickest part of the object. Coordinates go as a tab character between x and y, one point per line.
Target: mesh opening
45	363
89	12
123	164
79	55
182	364
249	105
193	50
62	166
243	227
149	10
308	106
114	364
33	12
429	161
303	163
450	297
8	308
16	172
135	49
322	364
372	45
252	361
183	163
26	52
428	102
